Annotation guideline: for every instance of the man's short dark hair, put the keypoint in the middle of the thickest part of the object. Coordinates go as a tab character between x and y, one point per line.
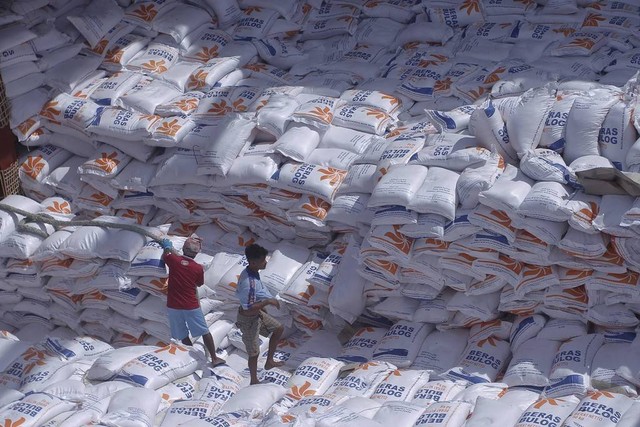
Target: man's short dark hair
255	252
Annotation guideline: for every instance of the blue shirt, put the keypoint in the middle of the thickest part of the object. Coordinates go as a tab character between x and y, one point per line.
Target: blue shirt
250	289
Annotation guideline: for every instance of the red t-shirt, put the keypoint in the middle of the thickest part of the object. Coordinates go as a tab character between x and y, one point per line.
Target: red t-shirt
185	275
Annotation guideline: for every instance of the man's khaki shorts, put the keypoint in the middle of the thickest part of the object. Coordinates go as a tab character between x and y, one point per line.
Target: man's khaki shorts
254	326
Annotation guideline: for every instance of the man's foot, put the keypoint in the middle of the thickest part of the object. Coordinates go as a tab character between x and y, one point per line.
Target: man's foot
217	362
270	364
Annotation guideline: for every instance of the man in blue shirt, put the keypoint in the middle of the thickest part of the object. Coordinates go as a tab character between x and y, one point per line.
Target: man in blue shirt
252	319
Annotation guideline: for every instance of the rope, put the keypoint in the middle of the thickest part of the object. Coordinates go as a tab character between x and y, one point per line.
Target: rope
57	224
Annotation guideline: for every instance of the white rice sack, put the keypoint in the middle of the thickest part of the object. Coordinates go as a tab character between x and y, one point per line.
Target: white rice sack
599	408
396	308
157	59
370	98
610	357
285	261
67	75
360	348
449	414
398	186
297	143
507	193
562	329
216	156
318	112
543	164
437	194
437	391
362	118
525	328
158	368
526	122
97	19
108	364
313	377
34	410
105	163
206	76
114	87
168	132
617	134
481	361
531	363
122	124
132	407
487	125
400	385
123	50
41	162
508	408
546	201
452	151
571	365
473	180
583	245
309	179
584	122
362	381
148	94
553	134
547	412
398	413
401	344
255	23
65	110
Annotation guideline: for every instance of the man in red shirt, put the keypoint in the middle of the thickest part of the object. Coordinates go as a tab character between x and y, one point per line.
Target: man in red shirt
185	276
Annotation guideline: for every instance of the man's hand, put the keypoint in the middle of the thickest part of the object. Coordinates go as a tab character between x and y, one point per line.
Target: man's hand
166	244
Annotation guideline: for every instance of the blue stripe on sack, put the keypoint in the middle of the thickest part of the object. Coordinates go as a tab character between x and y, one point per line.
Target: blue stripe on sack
392	352
149	263
393	208
352	359
448	121
57	348
462	375
569	380
623	337
490	110
415	89
521	326
132	378
558	145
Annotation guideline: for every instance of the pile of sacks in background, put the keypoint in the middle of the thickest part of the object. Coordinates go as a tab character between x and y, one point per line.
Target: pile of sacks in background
406	163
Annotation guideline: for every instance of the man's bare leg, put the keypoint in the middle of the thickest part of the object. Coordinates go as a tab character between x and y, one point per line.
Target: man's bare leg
187	341
273	345
211	348
253	369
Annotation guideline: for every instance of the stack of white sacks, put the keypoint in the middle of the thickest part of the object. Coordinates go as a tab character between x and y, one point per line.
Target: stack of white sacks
406	163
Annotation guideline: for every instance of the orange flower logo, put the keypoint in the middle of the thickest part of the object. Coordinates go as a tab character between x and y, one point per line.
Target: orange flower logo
114	56
170	128
311	291
314	325
380	115
245	243
564	31
392	99
185	230
595	395
583	42
10	423
220	108
157	67
471	6
102	199
257	67
26	125
137	216
238	105
207	53
364	330
108	162
593	20
588	214
490	341
494	76
579	274
335	176
322	113
443	85
62	208
317	207
475	94
145	12
198	80
399	240
49	111
33	166
304	390
578	294
161	284
171	349
511	264
251	9
101	46
628	278
500	218
287	418
389	266
187	105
